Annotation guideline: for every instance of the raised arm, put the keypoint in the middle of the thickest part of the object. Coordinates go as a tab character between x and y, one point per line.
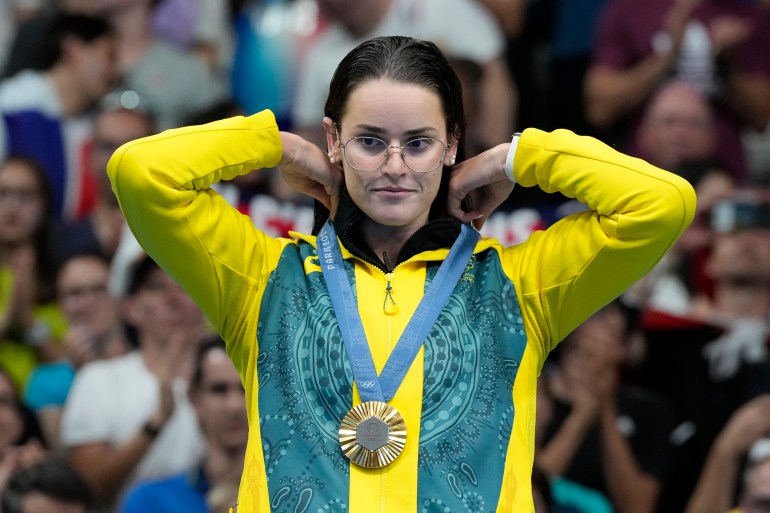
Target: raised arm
162	183
635	214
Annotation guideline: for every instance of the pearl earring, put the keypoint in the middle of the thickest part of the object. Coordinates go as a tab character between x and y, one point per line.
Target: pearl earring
331	157
452	161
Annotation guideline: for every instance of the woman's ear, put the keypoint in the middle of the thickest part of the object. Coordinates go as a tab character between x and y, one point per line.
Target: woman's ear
332	143
450	159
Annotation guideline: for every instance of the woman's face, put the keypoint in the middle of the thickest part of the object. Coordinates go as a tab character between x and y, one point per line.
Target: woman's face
392	195
83	297
21	203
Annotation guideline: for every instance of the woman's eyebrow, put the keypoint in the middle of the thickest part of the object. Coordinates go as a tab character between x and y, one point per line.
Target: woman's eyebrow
381	131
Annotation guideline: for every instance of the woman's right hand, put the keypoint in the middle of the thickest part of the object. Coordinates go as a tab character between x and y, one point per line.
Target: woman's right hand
307	170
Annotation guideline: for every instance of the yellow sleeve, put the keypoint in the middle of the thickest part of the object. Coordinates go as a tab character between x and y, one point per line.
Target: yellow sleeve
636	213
162	184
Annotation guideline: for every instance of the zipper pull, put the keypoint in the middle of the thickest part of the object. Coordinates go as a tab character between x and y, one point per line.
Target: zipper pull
389	305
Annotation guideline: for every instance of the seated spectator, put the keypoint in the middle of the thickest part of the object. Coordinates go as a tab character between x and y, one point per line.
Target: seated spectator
94	332
723	339
719	46
218	397
677	127
129	418
716	488
50	485
30	322
46	110
604	435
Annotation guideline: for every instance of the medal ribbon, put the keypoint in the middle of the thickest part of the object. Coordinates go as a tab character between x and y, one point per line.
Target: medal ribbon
383	387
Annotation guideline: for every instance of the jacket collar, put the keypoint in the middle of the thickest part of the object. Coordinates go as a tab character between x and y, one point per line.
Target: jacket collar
437	233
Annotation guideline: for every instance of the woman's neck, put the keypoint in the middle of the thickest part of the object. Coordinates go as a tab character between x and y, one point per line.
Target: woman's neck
385	241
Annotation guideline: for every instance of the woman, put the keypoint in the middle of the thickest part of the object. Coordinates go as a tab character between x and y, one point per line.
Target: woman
394	127
30	322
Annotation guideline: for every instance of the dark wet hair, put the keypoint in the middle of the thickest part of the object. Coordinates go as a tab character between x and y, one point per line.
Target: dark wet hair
406	60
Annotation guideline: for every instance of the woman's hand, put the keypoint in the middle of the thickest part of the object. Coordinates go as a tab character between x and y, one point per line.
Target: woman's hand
307	170
483	180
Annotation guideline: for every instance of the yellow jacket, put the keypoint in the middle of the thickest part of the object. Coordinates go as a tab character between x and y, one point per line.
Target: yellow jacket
469	397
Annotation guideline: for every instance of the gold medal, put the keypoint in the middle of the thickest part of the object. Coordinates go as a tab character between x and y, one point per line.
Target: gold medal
373	434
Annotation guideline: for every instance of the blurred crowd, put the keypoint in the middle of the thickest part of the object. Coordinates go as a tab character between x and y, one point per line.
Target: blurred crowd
115	396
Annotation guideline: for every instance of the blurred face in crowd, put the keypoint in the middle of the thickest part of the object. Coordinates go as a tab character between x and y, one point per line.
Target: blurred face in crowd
741	257
219	401
599	341
11	422
678	127
95	65
22	207
160	308
112	129
83	297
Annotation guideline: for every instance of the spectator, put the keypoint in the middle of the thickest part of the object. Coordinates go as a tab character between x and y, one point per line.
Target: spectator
603	435
30	323
723	339
715	491
45	110
129	418
677	127
720	46
462	28
94	332
218	397
50	485
99	231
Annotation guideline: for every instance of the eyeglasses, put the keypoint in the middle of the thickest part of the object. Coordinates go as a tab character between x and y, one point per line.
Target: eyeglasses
22	195
366	153
78	292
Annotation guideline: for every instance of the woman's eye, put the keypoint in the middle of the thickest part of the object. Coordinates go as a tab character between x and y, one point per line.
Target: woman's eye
371	144
420	144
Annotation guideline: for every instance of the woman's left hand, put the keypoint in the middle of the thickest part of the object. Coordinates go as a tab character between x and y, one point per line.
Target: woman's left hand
482	179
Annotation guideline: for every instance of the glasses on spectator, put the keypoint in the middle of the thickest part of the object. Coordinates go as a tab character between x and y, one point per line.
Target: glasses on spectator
22	195
8	401
366	153
79	292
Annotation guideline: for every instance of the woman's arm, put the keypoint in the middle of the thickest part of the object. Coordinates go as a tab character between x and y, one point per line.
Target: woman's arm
635	214
162	183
